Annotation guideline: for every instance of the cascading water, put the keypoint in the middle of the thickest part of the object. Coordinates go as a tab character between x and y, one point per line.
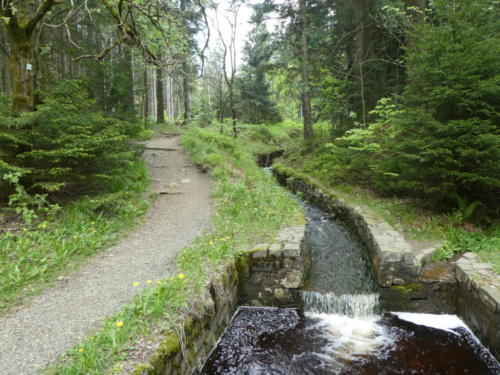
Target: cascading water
351	305
340	279
340	330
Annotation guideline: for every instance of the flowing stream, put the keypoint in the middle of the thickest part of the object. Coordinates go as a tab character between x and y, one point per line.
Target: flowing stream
340	329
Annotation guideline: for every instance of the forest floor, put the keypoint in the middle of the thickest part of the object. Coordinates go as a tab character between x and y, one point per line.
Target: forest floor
40	330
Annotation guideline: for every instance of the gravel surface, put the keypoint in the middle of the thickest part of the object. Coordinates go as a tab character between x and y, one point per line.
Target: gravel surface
45	327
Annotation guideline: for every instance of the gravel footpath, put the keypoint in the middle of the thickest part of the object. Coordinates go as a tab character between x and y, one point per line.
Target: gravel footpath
45	327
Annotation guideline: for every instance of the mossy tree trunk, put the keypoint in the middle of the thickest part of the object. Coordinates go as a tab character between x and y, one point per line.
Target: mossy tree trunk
22	68
21	26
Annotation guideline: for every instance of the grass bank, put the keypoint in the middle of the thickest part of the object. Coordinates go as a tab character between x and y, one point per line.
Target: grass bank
249	209
33	255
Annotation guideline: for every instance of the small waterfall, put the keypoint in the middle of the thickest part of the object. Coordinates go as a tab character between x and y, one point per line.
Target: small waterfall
351	305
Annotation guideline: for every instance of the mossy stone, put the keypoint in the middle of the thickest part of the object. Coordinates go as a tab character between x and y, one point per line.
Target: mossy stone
171	345
143	369
408	289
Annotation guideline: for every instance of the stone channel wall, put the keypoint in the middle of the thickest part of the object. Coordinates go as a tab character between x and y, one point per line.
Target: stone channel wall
478	300
269	274
272	274
392	257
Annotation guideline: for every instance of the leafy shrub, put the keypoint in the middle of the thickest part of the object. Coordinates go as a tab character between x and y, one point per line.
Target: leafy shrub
26	206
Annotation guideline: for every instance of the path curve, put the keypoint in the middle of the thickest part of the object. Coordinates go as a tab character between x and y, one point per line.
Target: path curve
45	327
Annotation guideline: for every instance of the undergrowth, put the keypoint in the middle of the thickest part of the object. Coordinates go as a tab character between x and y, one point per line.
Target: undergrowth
249	208
32	254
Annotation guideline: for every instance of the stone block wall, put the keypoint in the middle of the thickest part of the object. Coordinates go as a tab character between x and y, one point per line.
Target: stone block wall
478	300
183	351
273	273
270	274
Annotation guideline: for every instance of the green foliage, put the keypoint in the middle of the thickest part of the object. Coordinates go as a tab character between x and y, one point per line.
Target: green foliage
28	207
255	104
331	102
448	135
484	243
5	104
205	116
66	146
272	134
442	141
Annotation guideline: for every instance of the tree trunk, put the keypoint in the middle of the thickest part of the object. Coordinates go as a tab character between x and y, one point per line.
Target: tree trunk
185	77
185	92
160	114
4	64
129	99
221	101
145	101
233	109
22	67
306	89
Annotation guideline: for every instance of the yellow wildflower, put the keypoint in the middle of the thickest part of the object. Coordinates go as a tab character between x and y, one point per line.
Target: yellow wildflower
180	276
119	324
136	283
81	350
149	282
158	282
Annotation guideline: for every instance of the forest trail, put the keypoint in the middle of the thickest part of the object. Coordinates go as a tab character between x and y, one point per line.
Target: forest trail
42	329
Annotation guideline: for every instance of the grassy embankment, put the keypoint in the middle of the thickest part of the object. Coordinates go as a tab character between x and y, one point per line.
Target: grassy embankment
410	216
249	209
32	255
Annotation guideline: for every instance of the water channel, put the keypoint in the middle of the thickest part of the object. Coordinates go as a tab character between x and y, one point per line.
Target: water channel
340	329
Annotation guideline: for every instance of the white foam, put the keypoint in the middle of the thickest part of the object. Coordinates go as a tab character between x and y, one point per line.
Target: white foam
443	322
351	338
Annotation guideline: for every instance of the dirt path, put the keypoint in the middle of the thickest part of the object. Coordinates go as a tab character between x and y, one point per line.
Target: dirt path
42	329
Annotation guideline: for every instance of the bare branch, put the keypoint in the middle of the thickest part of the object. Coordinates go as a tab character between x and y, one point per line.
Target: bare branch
41	11
207	40
99	57
73	43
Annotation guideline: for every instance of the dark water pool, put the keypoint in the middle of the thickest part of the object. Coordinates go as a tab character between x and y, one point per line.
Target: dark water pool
267	341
